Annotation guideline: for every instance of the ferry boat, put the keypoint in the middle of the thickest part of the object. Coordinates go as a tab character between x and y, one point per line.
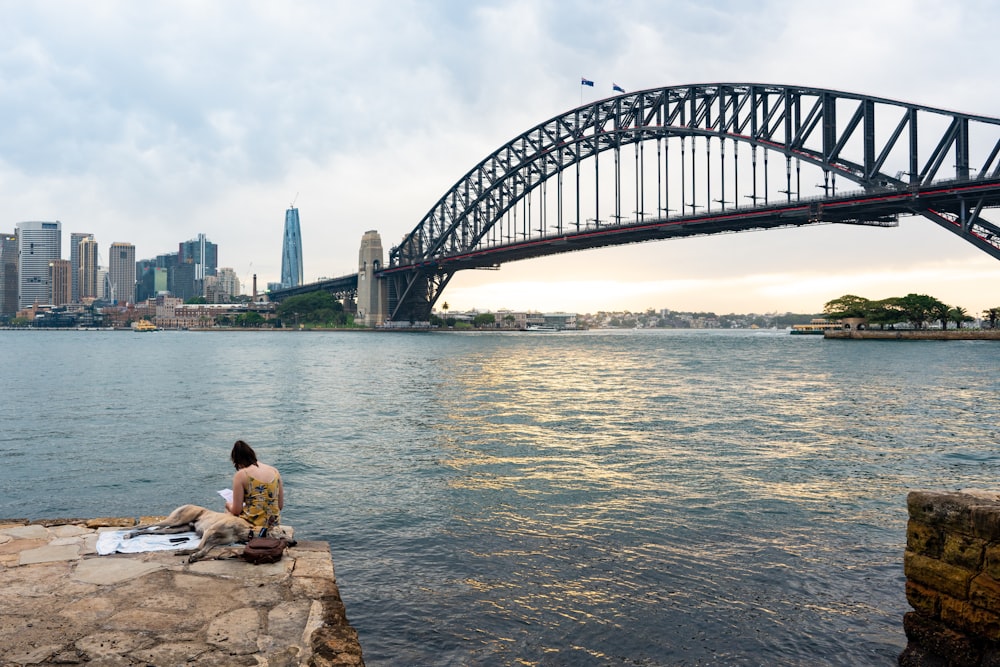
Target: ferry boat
541	328
816	327
144	325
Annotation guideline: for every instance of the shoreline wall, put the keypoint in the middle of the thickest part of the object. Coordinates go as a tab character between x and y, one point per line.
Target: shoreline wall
952	567
913	334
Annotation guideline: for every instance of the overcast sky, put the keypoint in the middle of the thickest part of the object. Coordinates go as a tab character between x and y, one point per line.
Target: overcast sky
150	122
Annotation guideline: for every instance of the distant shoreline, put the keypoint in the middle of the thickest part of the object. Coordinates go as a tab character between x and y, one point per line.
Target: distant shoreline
911	334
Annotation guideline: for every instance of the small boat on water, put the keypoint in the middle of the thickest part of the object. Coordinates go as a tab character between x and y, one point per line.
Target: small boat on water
816	327
540	328
144	325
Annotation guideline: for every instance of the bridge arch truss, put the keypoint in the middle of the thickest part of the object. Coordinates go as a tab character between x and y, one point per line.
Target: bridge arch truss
703	159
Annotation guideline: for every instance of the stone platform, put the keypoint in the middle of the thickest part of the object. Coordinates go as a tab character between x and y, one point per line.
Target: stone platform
62	604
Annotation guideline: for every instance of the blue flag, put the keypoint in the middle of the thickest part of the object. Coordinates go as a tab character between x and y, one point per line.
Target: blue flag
586	82
615	87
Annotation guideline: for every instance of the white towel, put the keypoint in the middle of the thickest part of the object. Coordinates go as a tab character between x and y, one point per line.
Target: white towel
113	541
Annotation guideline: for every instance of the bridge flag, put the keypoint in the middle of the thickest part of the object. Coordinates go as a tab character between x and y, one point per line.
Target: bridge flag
618	89
586	82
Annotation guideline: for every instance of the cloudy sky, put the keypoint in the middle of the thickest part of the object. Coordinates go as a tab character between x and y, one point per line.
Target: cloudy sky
150	122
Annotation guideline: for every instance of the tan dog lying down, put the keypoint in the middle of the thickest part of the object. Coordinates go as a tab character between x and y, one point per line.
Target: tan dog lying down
215	529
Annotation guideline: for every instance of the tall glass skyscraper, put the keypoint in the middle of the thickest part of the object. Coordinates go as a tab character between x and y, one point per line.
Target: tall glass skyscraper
38	243
291	250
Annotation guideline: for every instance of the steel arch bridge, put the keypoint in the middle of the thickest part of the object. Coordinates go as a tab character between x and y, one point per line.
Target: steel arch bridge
704	159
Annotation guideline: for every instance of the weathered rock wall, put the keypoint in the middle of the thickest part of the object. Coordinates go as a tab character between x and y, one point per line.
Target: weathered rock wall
913	334
952	566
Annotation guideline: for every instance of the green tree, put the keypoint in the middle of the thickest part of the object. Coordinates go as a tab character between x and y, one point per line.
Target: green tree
196	300
958	315
484	319
919	308
885	312
848	305
313	309
508	320
249	320
992	314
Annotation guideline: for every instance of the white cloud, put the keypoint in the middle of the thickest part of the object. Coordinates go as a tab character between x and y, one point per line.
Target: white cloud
151	122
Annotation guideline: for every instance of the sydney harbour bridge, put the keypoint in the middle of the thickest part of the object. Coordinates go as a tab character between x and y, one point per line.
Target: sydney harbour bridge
689	160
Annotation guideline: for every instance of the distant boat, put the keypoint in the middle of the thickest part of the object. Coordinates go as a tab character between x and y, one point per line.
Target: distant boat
144	325
540	328
816	327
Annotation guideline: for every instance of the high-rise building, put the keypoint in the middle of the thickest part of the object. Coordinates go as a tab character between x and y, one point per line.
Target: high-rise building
202	253
87	271
8	273
74	260
229	282
61	281
121	272
291	250
38	243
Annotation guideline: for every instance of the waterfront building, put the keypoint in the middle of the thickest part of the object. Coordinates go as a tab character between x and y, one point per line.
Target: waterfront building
87	270
74	260
60	278
38	243
291	250
8	274
121	273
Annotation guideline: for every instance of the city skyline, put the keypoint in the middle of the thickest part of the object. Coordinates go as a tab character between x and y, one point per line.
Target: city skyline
208	139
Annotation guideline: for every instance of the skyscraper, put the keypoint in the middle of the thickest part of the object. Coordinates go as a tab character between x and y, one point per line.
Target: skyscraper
38	243
8	273
59	278
121	272
202	253
291	250
74	261
87	280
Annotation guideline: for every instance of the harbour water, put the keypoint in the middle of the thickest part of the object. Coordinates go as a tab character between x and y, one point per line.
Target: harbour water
592	498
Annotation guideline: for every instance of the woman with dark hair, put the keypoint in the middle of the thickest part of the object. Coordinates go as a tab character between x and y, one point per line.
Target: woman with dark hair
258	495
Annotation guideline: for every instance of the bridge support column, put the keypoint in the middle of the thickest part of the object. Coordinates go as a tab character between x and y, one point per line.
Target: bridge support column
372	292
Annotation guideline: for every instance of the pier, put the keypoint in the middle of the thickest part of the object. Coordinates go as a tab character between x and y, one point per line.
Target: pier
64	604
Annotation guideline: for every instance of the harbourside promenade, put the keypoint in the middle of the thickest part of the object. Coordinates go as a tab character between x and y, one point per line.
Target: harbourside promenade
64	604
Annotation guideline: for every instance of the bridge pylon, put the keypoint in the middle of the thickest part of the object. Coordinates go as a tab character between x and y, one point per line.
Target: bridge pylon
372	293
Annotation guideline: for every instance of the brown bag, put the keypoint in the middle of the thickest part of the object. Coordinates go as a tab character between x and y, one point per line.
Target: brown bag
264	550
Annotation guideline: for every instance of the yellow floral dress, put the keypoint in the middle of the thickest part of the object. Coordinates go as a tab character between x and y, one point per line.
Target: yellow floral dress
260	501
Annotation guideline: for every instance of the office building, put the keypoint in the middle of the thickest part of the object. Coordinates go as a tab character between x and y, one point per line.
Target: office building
8	274
61	280
38	243
202	253
229	282
291	251
121	273
74	260
87	271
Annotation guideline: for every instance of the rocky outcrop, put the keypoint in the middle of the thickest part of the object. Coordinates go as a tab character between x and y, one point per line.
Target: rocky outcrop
952	566
64	604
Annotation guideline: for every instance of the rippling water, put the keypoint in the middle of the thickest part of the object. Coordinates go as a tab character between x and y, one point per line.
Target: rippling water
598	498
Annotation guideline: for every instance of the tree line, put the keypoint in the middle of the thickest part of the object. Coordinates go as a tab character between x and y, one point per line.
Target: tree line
918	310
